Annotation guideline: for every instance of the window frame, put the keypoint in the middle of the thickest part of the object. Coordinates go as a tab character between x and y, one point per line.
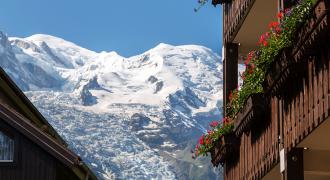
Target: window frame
10	132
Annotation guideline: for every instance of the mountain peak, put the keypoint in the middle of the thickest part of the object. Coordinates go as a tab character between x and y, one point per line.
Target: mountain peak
125	115
58	43
44	37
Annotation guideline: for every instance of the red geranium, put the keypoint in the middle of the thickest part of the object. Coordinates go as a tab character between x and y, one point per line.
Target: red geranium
249	58
201	140
278	30
208	141
265	43
273	24
214	124
280	15
262	39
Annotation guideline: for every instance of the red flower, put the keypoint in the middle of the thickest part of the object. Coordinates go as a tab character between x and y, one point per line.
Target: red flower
201	140
278	30
265	43
280	15
267	34
262	39
214	124
246	62
208	141
249	58
273	24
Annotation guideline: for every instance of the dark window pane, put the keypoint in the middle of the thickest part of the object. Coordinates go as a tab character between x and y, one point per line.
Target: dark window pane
6	148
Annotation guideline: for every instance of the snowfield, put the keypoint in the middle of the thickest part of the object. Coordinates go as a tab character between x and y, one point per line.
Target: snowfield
128	118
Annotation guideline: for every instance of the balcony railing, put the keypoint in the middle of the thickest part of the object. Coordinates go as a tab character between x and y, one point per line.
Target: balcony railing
255	107
234	15
258	151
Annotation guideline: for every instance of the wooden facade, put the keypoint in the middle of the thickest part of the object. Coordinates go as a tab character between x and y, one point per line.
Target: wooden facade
296	102
39	152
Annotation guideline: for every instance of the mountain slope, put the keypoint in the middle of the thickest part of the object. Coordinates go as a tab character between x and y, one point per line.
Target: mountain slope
132	118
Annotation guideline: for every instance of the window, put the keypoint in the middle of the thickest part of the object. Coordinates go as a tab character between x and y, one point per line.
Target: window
7	145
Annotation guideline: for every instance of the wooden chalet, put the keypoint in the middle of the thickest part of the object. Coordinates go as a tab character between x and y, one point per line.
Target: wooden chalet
29	147
283	133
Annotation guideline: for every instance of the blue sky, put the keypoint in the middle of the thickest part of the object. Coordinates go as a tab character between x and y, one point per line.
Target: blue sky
127	27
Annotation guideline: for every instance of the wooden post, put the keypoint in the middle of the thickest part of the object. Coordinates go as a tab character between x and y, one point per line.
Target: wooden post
295	164
230	73
284	4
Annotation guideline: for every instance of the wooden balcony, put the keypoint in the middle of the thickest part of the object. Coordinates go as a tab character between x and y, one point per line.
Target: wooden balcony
245	20
225	150
254	109
258	151
298	89
235	13
280	70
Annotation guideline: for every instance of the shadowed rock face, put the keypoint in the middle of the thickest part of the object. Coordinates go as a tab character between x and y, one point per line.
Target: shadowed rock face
152	79
159	86
41	77
57	60
87	98
138	121
135	118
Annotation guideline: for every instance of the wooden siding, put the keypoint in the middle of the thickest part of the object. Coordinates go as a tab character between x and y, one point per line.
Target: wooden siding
294	115
258	150
298	107
32	162
19	114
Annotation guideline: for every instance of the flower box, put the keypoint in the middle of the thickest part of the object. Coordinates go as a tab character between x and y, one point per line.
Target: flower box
279	71
314	32
226	148
252	112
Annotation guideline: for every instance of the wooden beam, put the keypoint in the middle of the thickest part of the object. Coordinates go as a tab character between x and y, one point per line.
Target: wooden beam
295	164
284	4
230	73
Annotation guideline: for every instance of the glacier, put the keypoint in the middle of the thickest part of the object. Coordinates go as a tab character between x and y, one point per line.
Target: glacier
127	117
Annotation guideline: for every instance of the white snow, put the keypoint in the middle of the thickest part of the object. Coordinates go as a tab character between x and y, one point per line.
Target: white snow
92	99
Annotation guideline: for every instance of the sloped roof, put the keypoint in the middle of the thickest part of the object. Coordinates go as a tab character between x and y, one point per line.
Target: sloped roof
30	122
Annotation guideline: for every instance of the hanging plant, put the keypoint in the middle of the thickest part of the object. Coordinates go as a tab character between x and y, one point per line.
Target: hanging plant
206	141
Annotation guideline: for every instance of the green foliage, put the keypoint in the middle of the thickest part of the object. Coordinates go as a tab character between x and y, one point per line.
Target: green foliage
280	35
207	141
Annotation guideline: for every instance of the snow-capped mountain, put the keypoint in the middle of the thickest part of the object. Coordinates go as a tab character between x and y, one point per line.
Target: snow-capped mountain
130	118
